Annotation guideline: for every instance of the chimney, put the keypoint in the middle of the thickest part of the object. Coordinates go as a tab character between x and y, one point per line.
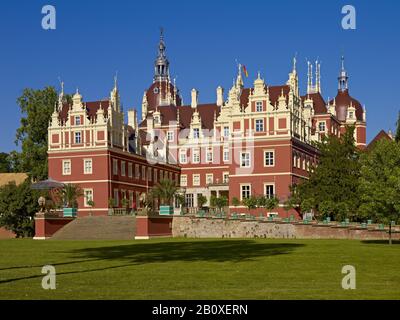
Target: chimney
132	119
195	97
220	96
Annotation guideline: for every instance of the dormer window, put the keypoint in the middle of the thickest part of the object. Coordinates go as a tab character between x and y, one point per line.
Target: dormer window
259	106
321	126
156	119
351	114
77	120
196	133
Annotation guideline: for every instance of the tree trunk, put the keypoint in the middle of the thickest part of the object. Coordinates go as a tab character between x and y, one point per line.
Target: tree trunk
390	232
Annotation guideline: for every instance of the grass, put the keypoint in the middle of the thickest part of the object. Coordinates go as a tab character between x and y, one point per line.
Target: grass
199	269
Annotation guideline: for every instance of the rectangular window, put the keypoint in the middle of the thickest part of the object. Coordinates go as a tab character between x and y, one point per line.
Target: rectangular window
130	199
130	169
116	198
209	155
183	180
87	169
155	175
143	173
196	180
170	136
78	120
196	156
259	106
226	132
161	175
196	133
245	160
269	158
149	174
226	155
66	167
189	203
225	177
269	190
322	126
259	125
209	178
137	171
78	137
123	168
183	156
115	167
88	196
245	191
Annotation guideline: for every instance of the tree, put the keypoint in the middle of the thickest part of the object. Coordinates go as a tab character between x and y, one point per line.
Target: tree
5	163
235	202
380	183
165	190
250	203
18	205
397	136
333	184
201	201
36	107
69	195
221	202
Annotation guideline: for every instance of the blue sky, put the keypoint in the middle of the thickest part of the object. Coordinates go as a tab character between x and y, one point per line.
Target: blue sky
94	39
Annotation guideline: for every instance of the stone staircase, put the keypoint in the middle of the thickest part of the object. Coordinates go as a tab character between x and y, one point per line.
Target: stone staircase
98	228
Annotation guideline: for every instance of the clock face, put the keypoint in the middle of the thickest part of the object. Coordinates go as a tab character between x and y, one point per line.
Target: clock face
155	90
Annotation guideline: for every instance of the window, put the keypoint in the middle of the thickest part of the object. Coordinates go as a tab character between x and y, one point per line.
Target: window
189	203
268	158
225	177
123	194
321	126
161	175
116	198
183	180
226	155
209	155
115	167
131	199
259	125
196	156
170	136
143	173
259	106
87	169
183	156
294	160
155	175
196	180
351	114
149	175
209	178
245	191
269	190
77	137
226	132
66	167
137	171
130	169
245	160
123	168
88	196
78	120
196	133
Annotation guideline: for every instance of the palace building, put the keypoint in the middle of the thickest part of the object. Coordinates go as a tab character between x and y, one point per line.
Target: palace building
250	141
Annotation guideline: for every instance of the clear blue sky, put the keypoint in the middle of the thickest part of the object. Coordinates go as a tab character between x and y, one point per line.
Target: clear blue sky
93	39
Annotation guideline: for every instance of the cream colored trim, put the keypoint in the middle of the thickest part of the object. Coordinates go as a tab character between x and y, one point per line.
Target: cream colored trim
273	157
84	165
243	185
204	168
70	167
268	174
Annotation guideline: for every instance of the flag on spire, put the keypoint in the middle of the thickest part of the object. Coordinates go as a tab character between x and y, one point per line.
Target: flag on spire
245	71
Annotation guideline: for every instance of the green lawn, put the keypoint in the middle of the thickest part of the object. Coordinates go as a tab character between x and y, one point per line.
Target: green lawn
199	269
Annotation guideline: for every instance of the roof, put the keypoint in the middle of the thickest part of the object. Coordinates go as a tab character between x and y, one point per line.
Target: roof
381	135
91	109
319	102
153	98
343	101
18	178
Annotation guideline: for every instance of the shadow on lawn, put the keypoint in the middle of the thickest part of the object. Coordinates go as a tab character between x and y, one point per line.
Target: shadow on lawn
380	242
212	251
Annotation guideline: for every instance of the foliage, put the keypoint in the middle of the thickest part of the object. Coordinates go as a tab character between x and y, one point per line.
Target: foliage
5	163
221	202
250	203
380	182
36	107
18	205
111	203
213	201
124	203
201	201
69	195
91	203
397	136
165	190
332	188
235	202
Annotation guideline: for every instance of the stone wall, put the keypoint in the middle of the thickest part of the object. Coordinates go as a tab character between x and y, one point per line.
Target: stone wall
191	227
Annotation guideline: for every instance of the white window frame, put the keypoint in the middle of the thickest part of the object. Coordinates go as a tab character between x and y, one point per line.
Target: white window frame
170	136
196	156
183	181
65	161
196	136
143	172
224	174
226	131
269	184
85	171
85	198
116	197
137	171
115	167
183	156
246	160
123	169
130	169
224	153
319	126
259	106
196	182
257	124
76	135
79	120
209	152
241	190
209	178
265	158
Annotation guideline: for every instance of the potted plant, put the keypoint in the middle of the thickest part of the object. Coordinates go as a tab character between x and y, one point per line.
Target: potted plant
91	205
235	202
165	190
69	195
111	204
180	198
125	204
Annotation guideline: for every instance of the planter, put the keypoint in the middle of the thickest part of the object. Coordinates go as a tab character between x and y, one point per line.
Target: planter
166	210
70	212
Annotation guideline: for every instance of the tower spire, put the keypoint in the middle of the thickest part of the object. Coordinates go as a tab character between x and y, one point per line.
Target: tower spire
343	77
161	65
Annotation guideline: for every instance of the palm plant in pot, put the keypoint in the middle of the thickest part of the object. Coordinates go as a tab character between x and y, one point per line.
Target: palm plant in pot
69	195
165	190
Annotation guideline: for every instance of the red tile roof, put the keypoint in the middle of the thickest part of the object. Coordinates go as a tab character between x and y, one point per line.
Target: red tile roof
343	100
319	102
91	109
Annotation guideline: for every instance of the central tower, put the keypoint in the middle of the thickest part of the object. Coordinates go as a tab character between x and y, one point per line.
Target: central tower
161	65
